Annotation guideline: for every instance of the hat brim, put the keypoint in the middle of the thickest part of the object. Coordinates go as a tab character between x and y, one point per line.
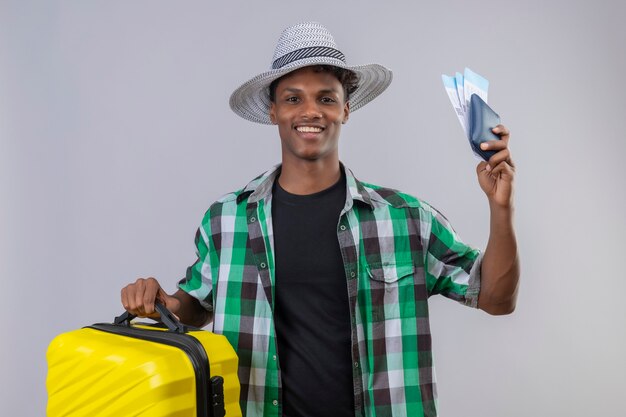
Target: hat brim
252	100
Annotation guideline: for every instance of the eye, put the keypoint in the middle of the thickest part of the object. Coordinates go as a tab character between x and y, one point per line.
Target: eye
328	100
292	99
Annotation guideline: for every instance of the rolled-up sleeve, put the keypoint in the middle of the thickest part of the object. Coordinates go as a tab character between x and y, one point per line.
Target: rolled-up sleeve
452	266
198	280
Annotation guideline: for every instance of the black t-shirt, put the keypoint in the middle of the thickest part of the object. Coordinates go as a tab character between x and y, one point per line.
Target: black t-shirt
311	315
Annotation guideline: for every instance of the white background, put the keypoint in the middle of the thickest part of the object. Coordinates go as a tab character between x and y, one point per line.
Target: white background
116	135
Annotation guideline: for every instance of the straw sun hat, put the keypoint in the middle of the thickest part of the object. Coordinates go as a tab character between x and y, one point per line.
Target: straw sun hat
303	45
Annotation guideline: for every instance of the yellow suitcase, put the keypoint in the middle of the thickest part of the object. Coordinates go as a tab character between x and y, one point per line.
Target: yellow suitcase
126	369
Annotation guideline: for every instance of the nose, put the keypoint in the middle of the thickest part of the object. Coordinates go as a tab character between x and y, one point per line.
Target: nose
311	110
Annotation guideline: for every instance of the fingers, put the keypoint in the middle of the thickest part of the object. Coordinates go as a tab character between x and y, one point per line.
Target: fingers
138	298
502	131
503	168
150	294
499	163
499	157
501	147
482	166
498	144
125	301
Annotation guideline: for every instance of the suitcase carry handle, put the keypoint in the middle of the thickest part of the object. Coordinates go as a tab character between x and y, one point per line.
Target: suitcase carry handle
167	318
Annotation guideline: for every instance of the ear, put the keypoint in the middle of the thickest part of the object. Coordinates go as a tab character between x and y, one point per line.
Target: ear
273	113
346	112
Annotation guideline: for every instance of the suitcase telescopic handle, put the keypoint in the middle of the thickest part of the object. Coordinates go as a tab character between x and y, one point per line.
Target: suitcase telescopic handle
167	318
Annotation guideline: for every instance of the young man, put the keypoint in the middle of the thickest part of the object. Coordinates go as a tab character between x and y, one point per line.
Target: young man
320	281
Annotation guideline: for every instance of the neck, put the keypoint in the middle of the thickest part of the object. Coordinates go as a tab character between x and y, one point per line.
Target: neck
309	177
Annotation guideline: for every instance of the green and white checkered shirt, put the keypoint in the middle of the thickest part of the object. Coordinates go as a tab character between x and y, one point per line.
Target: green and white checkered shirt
397	251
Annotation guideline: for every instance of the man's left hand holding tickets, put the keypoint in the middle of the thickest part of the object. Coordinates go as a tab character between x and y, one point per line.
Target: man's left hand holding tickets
500	264
496	176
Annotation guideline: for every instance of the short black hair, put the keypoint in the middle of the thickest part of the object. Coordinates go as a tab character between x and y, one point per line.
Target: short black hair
349	80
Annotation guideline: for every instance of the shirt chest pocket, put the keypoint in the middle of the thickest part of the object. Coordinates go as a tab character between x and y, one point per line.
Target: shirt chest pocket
390	291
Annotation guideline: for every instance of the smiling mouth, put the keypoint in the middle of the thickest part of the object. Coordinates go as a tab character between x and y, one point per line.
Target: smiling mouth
309	129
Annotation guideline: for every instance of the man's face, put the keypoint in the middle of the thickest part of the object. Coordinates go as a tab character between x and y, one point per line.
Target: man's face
309	109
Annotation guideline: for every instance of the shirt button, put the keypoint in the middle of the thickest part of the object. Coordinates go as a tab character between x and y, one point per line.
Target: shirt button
352	274
342	227
356	364
274	357
252	219
262	264
275	402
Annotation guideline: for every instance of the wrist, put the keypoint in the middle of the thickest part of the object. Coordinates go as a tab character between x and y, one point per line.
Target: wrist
501	218
501	208
173	304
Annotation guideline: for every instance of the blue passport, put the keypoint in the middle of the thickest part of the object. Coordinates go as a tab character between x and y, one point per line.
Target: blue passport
482	119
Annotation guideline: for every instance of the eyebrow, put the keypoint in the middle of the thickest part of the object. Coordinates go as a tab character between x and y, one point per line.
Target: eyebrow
298	90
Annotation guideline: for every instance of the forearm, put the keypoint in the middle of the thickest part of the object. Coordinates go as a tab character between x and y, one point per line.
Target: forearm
500	266
190	311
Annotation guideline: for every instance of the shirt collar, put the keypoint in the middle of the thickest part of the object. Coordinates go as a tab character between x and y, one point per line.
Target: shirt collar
260	188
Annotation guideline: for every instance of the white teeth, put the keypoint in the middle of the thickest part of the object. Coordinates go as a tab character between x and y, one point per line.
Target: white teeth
308	129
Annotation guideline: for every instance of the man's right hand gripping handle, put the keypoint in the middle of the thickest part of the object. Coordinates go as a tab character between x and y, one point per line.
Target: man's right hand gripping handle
138	299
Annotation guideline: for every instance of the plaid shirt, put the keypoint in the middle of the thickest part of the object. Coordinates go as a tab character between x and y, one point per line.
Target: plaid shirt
397	251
